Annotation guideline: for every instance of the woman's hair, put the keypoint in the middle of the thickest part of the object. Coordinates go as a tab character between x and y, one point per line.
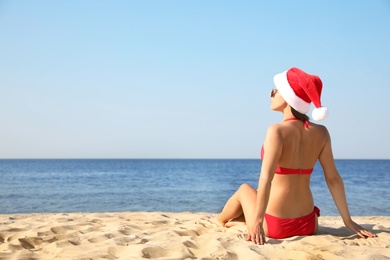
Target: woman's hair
298	115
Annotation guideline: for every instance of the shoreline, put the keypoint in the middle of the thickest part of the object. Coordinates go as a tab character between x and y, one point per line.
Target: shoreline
176	235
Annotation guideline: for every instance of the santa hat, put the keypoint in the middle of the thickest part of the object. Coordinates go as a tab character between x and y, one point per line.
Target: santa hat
299	89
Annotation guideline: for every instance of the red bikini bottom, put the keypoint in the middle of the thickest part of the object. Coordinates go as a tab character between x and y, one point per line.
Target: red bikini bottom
288	227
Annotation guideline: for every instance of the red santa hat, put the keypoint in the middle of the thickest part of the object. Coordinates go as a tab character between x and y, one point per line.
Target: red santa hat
299	89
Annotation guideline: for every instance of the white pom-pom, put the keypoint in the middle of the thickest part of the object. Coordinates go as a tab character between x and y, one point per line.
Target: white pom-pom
320	113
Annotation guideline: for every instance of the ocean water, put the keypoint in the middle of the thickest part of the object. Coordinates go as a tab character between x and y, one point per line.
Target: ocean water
31	186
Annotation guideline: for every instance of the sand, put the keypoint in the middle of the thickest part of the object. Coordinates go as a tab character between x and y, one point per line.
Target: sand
162	235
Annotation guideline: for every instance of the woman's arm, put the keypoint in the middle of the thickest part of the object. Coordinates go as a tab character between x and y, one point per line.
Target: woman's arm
273	150
336	188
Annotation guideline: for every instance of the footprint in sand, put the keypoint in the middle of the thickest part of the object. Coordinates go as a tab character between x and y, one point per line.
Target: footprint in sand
75	241
153	252
221	255
31	242
102	238
188	232
61	229
125	241
190	244
128	230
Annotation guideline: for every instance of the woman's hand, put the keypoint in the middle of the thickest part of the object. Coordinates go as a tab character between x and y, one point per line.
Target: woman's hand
360	231
256	233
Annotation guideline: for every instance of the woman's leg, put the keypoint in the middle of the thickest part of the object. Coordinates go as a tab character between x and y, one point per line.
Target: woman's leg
242	202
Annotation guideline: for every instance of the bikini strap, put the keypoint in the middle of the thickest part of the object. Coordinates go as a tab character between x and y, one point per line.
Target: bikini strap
290	119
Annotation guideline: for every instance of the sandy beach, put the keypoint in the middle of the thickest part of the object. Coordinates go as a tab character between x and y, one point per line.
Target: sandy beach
163	235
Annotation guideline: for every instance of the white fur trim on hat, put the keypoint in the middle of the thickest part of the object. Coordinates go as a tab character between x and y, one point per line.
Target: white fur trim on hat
284	88
320	113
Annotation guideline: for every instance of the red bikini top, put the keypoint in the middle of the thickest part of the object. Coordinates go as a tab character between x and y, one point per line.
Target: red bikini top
282	170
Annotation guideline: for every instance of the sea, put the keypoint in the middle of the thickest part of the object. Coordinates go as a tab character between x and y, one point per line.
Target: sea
169	185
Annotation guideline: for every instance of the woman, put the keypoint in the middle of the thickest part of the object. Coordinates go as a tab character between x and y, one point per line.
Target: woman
283	205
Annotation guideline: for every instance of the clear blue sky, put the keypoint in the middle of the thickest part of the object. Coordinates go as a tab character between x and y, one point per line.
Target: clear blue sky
185	79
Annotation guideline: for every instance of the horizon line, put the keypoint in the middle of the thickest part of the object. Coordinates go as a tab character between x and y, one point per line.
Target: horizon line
161	158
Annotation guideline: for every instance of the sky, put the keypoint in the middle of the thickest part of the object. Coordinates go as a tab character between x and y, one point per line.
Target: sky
186	79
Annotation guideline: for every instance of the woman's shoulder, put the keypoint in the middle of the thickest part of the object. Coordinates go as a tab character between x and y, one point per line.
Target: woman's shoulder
318	127
274	128
320	130
274	131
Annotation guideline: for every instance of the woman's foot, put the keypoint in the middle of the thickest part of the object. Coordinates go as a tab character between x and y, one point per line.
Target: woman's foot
214	219
234	223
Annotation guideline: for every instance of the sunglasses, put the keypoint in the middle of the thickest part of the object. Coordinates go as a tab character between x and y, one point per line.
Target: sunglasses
273	92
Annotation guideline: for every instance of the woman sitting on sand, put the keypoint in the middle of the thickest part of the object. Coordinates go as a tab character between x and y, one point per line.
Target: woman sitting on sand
283	205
